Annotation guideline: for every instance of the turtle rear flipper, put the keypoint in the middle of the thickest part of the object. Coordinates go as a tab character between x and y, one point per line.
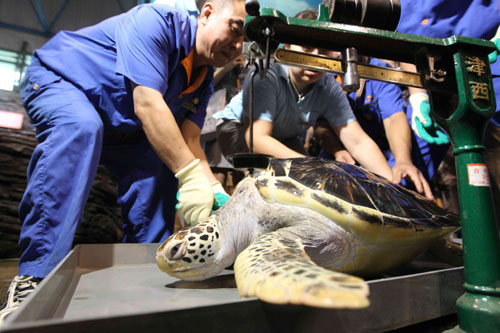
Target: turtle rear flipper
449	250
276	269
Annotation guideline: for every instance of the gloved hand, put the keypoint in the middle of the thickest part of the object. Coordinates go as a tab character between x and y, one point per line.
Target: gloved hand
492	57
422	123
220	195
195	195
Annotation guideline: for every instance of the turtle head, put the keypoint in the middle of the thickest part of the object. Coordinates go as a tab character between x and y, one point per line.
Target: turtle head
193	254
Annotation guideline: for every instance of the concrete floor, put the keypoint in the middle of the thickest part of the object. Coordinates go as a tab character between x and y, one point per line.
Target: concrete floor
8	269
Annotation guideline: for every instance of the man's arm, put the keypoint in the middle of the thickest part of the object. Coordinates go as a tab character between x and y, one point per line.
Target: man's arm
363	149
397	131
191	133
161	129
329	141
264	143
196	196
222	71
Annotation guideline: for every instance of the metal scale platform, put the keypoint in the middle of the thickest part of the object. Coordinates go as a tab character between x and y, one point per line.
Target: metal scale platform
118	288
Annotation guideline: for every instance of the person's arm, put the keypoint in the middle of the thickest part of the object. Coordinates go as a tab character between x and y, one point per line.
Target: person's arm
161	129
363	149
421	122
265	92
329	141
196	196
308	139
222	71
397	131
398	134
264	143
191	133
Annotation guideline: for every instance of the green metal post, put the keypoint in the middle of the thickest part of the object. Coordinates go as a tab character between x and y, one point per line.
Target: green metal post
479	308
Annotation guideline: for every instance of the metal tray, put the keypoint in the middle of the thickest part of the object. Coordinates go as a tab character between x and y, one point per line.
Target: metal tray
118	288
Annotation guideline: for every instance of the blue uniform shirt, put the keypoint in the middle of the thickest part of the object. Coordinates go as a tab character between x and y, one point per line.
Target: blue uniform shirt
444	18
274	101
378	101
146	46
187	6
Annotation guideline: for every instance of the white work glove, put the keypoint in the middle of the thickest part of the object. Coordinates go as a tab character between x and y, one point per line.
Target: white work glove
422	123
195	195
220	195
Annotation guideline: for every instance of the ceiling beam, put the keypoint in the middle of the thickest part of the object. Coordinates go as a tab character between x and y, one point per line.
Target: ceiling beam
57	16
38	10
25	29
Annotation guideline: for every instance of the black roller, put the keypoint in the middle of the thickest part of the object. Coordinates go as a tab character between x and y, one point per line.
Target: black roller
252	7
379	14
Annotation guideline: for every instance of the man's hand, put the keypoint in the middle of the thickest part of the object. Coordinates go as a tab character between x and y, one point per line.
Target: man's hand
408	170
196	196
220	196
344	157
422	123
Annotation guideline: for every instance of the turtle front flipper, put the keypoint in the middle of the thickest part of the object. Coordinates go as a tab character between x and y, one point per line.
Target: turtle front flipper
276	269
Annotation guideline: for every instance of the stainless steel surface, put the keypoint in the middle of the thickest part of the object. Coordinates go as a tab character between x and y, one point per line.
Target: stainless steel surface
325	64
107	288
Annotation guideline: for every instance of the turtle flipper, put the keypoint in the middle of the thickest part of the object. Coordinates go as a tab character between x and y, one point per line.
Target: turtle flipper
276	269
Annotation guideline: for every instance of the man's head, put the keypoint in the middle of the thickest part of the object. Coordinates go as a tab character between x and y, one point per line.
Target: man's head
219	36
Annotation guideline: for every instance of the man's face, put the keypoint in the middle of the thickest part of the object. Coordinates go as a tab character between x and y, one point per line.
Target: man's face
307	76
220	33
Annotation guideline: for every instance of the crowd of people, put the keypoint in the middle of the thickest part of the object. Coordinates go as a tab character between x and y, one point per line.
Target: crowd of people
137	101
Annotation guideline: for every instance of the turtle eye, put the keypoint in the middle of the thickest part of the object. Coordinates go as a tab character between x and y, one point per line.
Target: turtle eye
176	251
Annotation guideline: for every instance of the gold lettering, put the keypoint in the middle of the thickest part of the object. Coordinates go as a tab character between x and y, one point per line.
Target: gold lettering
480	90
476	65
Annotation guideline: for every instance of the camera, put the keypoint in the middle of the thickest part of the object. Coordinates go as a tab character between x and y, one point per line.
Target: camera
379	14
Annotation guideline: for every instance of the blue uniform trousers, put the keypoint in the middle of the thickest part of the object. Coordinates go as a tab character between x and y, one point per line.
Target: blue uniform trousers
72	142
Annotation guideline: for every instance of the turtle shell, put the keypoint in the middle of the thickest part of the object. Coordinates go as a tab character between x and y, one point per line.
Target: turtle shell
370	206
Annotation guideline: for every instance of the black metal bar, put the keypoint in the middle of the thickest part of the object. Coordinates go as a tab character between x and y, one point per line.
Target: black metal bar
250	107
24	29
56	17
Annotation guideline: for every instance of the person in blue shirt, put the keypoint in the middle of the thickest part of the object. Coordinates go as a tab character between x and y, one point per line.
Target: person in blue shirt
287	101
441	19
130	93
380	110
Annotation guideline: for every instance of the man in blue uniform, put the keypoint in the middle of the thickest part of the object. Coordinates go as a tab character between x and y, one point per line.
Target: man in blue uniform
441	19
129	92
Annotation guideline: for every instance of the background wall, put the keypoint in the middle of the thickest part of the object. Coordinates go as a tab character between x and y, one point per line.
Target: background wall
35	21
290	7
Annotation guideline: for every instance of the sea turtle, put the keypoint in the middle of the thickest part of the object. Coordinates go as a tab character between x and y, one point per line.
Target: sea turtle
299	227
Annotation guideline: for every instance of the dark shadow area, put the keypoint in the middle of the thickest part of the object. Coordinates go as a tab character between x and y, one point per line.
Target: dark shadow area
220	281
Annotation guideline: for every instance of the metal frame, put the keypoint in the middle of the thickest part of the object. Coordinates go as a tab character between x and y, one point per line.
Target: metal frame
119	288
